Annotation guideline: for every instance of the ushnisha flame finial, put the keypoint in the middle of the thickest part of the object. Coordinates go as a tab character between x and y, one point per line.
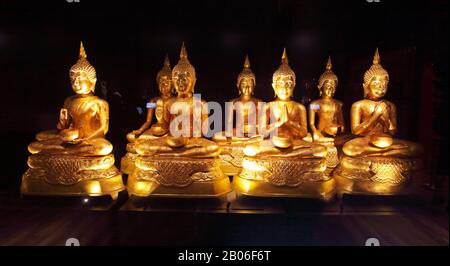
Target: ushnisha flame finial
165	71
183	64
328	74
246	72
375	70
83	65
284	68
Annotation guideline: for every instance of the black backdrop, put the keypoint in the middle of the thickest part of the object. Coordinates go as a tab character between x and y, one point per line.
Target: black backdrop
126	42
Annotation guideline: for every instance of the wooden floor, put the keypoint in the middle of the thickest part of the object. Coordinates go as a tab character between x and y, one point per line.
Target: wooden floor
243	221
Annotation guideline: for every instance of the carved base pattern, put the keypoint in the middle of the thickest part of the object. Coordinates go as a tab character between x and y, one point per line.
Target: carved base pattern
378	175
71	175
285	172
69	169
332	157
177	172
127	163
231	160
178	177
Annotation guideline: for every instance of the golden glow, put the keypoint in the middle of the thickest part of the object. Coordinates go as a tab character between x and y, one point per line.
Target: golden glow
141	187
282	163
375	120
381	141
245	184
183	76
326	117
245	109
157	108
75	158
250	151
281	142
174	165
244	113
94	188
252	166
284	122
81	109
375	162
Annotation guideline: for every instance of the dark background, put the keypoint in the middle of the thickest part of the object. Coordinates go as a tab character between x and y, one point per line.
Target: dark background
126	43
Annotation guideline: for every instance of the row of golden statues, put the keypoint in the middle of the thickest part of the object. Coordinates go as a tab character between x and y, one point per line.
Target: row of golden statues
76	159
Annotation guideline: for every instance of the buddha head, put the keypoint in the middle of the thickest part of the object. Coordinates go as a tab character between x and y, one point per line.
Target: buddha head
376	80
164	78
183	74
82	75
246	80
283	80
327	82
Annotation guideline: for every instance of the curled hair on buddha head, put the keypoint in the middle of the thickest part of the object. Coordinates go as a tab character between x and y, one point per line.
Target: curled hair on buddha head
284	69
183	64
246	73
375	70
327	75
83	65
165	71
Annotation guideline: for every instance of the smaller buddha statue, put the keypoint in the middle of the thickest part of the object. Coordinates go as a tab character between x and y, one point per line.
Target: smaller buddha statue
374	162
325	115
283	164
157	107
75	158
245	109
183	163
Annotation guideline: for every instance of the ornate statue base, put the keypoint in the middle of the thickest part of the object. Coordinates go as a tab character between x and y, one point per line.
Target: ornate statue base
376	175
231	159
171	176
286	177
332	157
127	163
71	175
232	154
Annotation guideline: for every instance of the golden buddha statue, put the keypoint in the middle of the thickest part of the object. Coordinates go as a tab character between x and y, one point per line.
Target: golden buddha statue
245	108
183	163
374	162
75	159
283	164
156	108
325	116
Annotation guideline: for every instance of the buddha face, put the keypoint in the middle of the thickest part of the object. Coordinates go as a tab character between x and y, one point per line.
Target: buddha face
246	86
284	86
328	88
183	82
81	83
377	87
164	84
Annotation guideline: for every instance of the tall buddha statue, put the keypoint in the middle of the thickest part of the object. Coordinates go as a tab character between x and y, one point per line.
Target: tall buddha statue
374	162
283	164
75	159
183	163
325	115
245	109
157	107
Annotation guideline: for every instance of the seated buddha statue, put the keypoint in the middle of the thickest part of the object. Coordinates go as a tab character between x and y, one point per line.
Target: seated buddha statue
325	115
245	109
283	164
183	163
156	108
374	162
75	158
